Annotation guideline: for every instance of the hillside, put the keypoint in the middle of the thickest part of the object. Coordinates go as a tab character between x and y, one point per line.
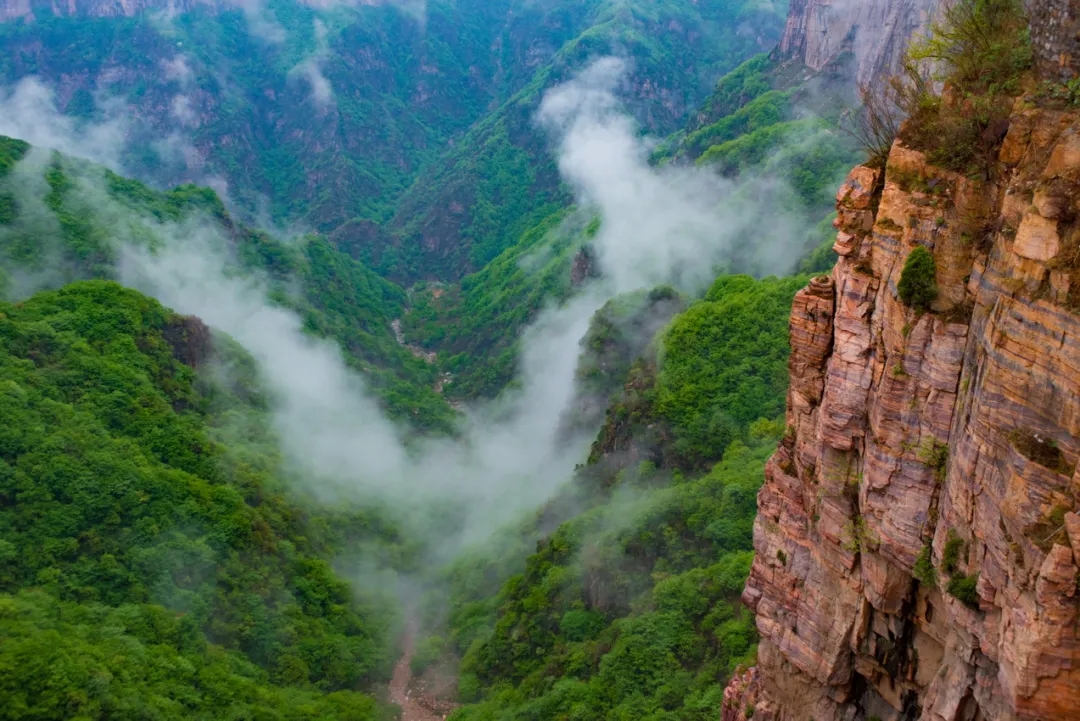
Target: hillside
496	429
409	139
63	219
152	566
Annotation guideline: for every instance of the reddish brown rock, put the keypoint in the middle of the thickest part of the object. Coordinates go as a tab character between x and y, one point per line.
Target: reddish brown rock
925	497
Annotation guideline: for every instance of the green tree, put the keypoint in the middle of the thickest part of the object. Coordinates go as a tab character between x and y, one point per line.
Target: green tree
918	284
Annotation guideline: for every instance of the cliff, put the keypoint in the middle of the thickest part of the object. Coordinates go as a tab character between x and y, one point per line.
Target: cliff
876	31
1056	36
916	530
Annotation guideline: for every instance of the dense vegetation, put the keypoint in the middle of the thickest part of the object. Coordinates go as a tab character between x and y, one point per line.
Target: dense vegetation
423	160
980	50
629	610
747	127
66	220
918	283
150	564
172	575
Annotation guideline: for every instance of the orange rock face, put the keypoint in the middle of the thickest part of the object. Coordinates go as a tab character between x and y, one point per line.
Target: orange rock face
916	531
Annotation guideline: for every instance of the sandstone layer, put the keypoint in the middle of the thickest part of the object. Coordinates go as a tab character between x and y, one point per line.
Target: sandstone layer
916	530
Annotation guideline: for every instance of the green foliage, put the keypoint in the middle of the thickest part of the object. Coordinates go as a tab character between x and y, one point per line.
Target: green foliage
65	660
935	454
923	571
918	280
501	175
621	332
428	651
627	611
963	588
982	50
172	572
76	223
982	44
725	364
630	609
476	326
950	556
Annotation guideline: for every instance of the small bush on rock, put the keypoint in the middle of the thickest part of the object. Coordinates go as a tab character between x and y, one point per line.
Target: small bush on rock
918	286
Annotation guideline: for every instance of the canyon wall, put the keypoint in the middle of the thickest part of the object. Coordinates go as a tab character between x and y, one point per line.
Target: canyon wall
876	31
1055	36
916	530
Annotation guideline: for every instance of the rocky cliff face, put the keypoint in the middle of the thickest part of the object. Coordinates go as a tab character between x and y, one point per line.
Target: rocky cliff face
916	530
1056	36
876	31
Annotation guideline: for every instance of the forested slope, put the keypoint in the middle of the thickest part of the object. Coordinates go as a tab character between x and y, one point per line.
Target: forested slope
630	609
408	137
62	219
179	571
150	564
764	120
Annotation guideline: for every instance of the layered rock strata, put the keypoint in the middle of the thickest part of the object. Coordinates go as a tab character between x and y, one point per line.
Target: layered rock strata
1055	36
916	530
876	31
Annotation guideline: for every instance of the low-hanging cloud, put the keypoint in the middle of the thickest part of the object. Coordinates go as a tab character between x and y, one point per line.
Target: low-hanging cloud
29	111
659	226
506	459
311	68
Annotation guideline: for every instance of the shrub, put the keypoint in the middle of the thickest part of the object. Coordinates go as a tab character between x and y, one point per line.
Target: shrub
935	454
923	571
982	48
918	286
950	557
983	45
1038	449
963	589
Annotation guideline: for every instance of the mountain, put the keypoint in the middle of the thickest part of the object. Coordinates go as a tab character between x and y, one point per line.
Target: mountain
63	219
408	139
876	33
152	563
831	475
916	535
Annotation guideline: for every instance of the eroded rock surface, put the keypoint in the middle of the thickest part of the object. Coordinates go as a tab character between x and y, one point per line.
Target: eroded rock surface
876	31
916	528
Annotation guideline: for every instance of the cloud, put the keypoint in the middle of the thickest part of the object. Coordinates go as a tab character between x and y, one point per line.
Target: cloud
29	111
178	70
311	68
661	225
181	111
507	459
261	21
416	9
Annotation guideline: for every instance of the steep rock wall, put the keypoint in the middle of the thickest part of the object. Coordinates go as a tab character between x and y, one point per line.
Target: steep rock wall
931	452
876	31
1055	36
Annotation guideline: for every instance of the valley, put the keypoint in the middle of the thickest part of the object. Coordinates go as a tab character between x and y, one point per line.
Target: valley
536	360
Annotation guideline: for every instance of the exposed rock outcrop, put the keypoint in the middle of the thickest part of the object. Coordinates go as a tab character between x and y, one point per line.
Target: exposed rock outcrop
876	31
1056	37
916	531
191	340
